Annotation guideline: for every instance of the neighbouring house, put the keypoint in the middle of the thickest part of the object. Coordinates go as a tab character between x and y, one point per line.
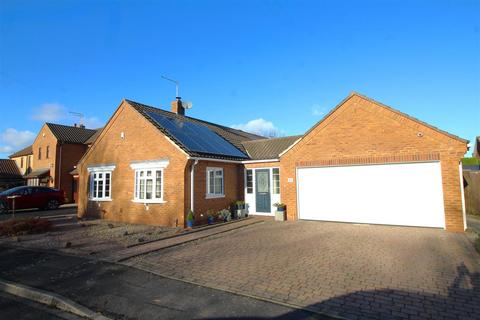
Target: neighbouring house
53	155
476	150
10	175
364	162
23	159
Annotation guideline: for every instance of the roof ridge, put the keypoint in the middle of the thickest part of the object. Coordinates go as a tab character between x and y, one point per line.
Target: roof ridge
273	139
67	126
196	119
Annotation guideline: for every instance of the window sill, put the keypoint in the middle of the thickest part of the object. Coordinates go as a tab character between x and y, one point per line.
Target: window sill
149	201
214	196
100	200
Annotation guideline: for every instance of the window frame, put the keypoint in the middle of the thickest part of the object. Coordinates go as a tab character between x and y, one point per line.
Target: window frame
39	153
246	181
93	177
274	187
154	166
208	194
137	185
47	152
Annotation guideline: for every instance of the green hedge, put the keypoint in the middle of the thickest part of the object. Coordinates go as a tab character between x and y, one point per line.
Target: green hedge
471	161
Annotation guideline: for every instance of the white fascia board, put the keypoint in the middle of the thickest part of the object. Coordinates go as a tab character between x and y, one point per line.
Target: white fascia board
214	160
101	167
150	164
261	161
293	144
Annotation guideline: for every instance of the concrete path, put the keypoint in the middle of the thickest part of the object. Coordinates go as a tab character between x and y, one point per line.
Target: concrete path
122	255
122	292
473	222
12	307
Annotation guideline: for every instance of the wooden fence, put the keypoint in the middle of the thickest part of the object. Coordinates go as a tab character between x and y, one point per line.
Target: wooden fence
471	183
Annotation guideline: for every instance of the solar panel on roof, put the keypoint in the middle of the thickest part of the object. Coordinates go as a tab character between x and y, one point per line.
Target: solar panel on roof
196	137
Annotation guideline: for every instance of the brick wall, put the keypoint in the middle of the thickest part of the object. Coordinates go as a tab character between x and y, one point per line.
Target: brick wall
233	187
44	139
141	141
362	132
70	155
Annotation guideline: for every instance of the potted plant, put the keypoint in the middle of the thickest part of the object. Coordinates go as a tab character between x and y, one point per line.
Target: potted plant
240	209
190	219
210	217
224	215
280	212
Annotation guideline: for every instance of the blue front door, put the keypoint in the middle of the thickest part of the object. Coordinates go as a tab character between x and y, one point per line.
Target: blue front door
262	193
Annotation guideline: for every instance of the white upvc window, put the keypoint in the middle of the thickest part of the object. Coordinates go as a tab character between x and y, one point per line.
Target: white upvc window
149	181
276	180
215	183
101	183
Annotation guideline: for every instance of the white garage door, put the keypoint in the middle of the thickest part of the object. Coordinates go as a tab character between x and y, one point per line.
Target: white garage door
407	194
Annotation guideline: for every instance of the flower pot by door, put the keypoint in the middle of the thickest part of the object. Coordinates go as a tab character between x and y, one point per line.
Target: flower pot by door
280	215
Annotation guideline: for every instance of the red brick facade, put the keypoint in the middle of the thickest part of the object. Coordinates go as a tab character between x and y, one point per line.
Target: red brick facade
361	131
358	131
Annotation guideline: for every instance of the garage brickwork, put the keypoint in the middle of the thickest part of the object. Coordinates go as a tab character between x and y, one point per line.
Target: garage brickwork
362	131
141	142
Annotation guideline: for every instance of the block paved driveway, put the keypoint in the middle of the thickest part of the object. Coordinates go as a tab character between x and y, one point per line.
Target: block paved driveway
354	271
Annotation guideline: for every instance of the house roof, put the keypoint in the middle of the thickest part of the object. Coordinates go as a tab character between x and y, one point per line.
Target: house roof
9	169
94	136
24	152
268	148
233	136
38	173
70	134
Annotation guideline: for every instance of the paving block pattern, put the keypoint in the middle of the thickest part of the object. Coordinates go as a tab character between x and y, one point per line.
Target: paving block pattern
354	271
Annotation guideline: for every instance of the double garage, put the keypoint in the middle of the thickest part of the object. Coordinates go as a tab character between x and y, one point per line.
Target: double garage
408	194
366	162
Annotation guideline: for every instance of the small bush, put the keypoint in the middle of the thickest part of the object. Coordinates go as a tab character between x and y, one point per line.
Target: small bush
471	161
17	227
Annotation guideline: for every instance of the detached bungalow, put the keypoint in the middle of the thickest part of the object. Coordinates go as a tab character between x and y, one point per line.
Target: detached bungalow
364	162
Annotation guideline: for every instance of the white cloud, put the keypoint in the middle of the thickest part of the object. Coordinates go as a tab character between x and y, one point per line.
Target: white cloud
92	122
50	112
13	140
318	110
259	126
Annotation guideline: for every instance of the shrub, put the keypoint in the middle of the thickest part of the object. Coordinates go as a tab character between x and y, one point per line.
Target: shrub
470	161
16	227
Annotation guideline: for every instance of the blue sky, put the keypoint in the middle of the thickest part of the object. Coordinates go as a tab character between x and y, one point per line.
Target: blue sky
271	65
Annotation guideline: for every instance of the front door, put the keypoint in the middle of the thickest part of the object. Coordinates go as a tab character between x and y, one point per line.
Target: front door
262	187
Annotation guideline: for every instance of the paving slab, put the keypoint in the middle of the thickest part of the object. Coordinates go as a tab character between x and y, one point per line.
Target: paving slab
355	271
128	253
122	292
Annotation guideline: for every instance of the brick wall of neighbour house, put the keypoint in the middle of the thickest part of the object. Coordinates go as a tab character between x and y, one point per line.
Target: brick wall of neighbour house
141	142
70	155
362	132
46	138
25	167
233	188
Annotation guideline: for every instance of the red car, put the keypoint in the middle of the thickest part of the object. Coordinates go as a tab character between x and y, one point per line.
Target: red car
27	197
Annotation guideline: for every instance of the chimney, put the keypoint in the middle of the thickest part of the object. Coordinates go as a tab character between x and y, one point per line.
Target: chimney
177	107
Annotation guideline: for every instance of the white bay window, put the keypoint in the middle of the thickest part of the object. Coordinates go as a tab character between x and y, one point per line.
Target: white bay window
149	181
100	182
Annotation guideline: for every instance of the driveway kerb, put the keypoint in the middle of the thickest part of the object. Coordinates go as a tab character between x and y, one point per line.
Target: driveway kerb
285	304
138	250
49	299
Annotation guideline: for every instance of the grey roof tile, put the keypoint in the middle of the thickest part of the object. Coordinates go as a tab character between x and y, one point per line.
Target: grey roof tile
268	148
24	152
9	169
70	134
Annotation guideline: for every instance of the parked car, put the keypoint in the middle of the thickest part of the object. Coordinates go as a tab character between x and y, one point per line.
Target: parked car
28	197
